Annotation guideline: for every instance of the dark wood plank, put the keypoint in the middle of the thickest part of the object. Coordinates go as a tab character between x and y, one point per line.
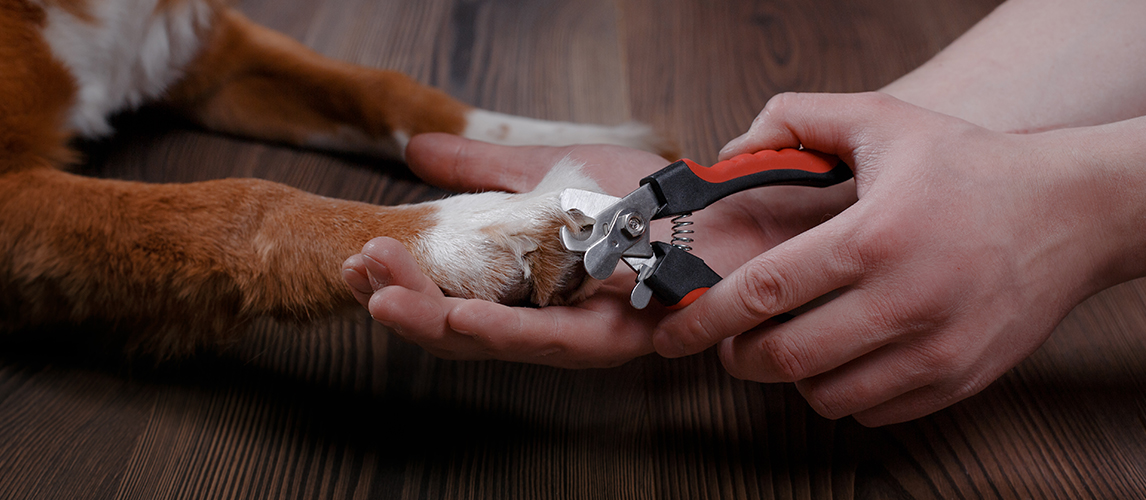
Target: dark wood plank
342	410
704	69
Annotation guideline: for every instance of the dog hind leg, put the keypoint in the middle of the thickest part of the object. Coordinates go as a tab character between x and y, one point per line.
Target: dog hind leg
255	82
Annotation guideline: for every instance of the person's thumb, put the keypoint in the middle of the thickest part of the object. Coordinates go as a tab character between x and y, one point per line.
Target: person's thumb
830	123
461	164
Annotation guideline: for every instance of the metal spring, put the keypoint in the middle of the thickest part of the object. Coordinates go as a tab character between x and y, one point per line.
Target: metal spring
679	239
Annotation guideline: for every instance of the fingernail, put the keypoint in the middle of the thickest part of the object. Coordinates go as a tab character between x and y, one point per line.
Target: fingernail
378	274
733	145
662	342
460	319
356	280
670	346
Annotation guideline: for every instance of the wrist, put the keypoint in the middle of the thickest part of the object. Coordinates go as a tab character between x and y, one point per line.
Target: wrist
1097	199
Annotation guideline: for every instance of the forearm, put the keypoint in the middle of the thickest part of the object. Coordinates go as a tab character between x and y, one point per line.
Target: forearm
1107	166
1038	65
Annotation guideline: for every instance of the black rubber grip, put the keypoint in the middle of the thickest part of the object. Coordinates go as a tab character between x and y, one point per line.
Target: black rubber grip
678	274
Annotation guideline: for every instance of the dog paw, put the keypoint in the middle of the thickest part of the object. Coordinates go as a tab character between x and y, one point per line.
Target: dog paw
506	247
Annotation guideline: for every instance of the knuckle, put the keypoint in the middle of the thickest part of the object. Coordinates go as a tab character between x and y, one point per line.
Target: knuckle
877	100
824	407
849	254
784	359
779	104
830	404
962	387
762	291
696	335
910	315
774	110
877	242
883	316
942	358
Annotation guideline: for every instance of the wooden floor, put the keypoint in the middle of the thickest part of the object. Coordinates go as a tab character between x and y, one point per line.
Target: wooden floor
343	410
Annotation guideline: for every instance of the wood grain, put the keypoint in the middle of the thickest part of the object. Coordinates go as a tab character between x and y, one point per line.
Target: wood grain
343	410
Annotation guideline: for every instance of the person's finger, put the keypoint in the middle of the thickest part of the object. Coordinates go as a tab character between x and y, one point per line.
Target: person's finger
409	303
388	262
354	273
590	335
461	164
807	345
829	123
422	319
812	343
902	380
868	381
793	273
916	403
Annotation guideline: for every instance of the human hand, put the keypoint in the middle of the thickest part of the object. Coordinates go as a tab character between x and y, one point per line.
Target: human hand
601	331
965	249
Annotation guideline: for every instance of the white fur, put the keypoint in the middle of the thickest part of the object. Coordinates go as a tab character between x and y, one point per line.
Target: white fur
129	54
512	130
472	228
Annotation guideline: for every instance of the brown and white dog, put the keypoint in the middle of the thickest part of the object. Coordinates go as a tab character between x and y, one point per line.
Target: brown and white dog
187	263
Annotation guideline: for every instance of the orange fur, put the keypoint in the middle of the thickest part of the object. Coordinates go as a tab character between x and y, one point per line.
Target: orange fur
252	81
206	256
35	92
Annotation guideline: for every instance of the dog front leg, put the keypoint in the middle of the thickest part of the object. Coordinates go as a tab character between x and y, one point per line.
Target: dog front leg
188	264
179	266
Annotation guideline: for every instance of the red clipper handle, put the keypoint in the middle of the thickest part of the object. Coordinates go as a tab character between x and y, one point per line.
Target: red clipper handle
751	163
686	186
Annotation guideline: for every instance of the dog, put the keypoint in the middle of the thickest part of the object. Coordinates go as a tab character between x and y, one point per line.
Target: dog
189	264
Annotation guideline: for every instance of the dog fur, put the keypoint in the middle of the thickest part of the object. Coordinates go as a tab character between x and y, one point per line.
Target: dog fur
184	265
